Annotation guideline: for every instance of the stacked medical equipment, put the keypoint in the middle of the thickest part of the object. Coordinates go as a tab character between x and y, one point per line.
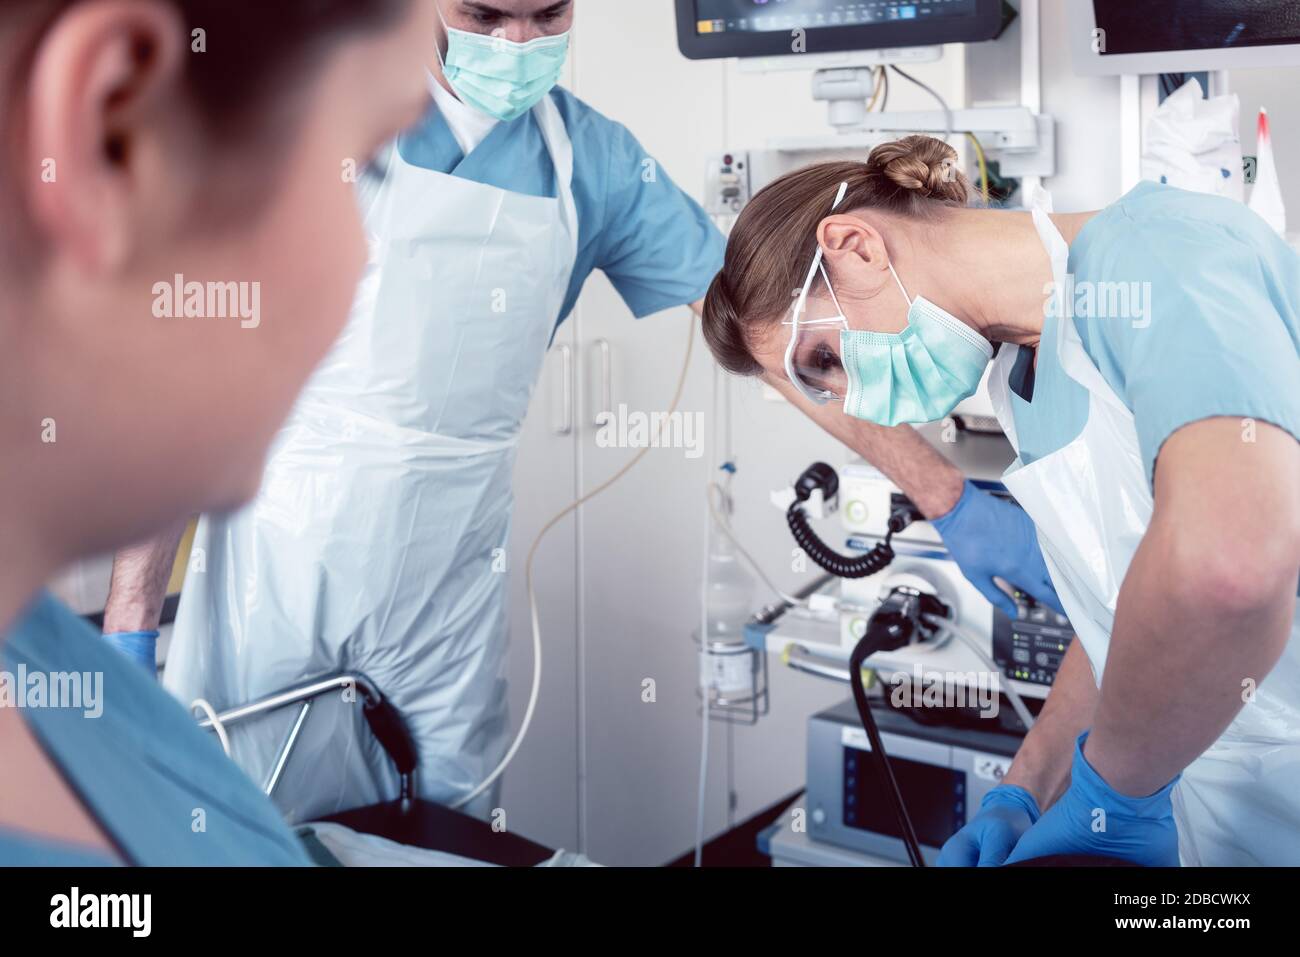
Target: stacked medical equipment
957	681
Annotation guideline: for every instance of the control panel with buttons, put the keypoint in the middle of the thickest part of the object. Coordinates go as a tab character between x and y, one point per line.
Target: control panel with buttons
1032	647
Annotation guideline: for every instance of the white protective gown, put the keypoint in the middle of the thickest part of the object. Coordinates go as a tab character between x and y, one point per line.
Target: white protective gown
378	540
1239	803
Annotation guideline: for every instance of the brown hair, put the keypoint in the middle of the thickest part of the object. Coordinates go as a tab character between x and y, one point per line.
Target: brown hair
775	238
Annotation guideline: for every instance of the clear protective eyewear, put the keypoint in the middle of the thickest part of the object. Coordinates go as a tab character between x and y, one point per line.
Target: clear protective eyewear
812	358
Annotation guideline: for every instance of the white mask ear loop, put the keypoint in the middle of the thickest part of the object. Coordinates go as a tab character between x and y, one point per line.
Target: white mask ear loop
802	302
901	288
838	308
446	32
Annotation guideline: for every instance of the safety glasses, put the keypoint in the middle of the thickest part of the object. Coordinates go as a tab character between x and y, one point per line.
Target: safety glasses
812	357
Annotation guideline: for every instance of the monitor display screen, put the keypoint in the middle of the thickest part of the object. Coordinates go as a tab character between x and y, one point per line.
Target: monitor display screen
709	29
935	797
769	16
1160	26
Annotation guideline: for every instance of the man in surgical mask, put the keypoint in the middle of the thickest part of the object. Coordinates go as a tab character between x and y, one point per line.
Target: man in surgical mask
503	74
374	544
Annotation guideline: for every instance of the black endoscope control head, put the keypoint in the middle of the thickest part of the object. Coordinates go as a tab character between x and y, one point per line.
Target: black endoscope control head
904	613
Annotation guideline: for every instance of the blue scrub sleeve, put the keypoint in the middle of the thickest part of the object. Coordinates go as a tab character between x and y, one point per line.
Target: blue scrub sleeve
155	783
658	247
1220	340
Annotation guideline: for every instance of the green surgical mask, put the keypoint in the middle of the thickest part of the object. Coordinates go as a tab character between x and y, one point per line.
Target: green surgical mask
499	77
917	375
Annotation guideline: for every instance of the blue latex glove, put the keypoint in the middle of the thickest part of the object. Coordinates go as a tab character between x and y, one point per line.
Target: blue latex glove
140	646
1141	830
989	536
1006	812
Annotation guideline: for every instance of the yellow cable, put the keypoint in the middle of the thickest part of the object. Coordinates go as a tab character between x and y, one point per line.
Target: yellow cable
880	85
984	166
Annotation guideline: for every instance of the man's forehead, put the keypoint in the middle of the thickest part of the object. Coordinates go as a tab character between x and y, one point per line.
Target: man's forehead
515	8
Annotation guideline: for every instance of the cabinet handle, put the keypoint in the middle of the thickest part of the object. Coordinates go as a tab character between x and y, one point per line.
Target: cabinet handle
566	391
606	381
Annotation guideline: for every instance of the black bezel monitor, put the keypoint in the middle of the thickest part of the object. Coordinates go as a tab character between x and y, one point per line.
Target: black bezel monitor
868	25
1110	37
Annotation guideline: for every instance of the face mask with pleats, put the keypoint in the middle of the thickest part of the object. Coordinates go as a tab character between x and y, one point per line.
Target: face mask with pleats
500	77
917	375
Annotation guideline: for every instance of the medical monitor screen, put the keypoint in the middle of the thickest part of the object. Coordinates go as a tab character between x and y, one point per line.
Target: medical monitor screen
722	16
1161	26
764	28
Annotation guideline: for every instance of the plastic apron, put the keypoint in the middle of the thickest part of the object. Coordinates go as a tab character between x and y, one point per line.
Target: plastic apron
1239	803
378	540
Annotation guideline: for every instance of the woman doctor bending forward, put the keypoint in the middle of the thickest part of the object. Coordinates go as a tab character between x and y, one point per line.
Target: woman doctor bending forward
1146	368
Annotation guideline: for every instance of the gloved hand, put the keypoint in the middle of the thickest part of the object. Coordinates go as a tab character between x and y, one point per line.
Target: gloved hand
140	646
1091	818
1006	812
989	536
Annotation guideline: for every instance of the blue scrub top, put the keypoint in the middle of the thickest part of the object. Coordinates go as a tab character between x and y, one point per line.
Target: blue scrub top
160	788
1212	327
656	245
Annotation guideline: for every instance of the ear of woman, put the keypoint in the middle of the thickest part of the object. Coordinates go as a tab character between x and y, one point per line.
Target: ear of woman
858	260
103	174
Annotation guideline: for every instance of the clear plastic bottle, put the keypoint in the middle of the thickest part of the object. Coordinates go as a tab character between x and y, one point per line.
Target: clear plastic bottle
729	599
726	665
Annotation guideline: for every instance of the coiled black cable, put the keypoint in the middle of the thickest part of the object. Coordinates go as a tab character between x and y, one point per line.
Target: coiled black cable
821	477
842	566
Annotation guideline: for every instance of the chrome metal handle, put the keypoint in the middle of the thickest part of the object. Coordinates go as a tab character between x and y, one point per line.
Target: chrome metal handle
566	390
606	382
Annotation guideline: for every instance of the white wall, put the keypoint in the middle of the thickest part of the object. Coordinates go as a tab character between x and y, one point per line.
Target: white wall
1086	110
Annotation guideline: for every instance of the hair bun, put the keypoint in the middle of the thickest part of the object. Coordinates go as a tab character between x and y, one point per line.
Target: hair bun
923	164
